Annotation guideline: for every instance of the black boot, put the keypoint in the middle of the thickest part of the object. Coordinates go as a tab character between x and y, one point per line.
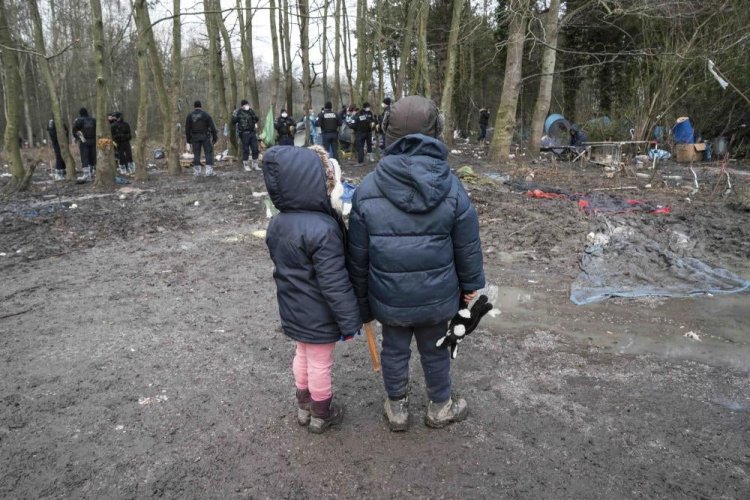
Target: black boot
303	406
324	414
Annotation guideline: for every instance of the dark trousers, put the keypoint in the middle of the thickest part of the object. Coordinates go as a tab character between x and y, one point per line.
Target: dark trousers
59	162
88	153
208	149
482	132
249	143
124	153
436	363
360	139
286	140
330	143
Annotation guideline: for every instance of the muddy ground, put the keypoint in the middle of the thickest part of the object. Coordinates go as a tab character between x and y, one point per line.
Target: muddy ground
141	355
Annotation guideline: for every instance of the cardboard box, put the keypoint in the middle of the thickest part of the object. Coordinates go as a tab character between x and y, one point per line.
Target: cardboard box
689	153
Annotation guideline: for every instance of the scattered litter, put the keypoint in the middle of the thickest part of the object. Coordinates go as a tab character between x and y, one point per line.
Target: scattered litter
494	312
692	336
259	194
197	203
159	154
219	331
73	205
260	233
6	174
3	254
122	197
232	239
455	152
121	180
642	175
159	398
119	427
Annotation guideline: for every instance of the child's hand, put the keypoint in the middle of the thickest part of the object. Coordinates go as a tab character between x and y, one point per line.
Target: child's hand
344	338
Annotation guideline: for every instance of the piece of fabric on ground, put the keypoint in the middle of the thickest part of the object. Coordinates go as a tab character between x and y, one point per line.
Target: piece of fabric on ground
624	261
601	202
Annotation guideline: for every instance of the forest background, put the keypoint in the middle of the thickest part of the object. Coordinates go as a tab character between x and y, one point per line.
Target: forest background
641	63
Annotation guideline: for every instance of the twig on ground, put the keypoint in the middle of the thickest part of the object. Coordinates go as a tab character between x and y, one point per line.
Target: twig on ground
622	188
18	313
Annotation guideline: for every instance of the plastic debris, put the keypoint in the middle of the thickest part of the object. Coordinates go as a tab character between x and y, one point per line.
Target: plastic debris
692	336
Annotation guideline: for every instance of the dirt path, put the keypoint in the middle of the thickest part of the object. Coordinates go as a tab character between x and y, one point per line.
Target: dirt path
142	356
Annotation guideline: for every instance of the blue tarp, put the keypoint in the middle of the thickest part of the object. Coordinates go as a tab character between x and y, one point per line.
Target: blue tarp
683	132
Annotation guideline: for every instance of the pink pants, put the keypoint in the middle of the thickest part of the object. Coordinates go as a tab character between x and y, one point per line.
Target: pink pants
312	369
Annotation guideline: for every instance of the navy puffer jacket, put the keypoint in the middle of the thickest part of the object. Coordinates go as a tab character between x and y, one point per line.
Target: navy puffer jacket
306	240
413	237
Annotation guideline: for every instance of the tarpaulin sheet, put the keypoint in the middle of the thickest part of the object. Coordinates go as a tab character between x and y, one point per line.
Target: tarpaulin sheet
626	262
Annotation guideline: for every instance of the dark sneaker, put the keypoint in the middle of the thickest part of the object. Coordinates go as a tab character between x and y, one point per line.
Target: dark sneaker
324	414
441	414
397	413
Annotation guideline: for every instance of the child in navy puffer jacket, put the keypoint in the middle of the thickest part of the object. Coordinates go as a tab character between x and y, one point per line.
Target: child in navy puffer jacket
307	245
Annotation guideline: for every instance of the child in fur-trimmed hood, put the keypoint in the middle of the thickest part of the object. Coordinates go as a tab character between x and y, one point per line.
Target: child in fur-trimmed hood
306	240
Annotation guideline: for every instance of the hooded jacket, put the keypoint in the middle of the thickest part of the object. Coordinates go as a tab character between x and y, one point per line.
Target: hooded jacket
413	237
307	245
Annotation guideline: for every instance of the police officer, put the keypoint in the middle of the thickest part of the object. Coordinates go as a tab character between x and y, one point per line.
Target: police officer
121	136
200	132
364	122
285	127
246	121
59	161
383	120
329	123
84	131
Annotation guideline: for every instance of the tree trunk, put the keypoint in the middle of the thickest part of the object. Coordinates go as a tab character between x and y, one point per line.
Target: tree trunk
541	108
49	81
324	49
275	47
421	79
141	129
347	46
248	58
12	103
287	54
105	171
212	10
174	167
505	121
232	80
337	58
304	26
378	49
145	29
446	103
25	98
405	53
362	76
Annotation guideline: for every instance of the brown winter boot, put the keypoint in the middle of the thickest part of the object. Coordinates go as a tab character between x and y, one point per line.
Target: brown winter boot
324	414
303	406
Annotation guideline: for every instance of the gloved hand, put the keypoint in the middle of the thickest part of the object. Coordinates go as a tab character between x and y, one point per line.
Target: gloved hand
344	338
463	323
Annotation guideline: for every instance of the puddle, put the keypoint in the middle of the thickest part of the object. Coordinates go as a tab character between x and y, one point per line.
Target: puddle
656	327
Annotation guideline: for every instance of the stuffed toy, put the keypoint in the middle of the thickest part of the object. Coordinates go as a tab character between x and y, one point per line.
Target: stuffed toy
463	323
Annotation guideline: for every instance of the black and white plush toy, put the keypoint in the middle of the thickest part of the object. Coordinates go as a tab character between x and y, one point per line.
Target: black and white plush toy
463	323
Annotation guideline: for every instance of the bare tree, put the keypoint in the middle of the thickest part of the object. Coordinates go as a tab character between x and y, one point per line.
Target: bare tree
446	102
275	76
505	121
421	77
49	81
174	167
303	11
248	57
405	52
12	80
541	107
105	172
337	56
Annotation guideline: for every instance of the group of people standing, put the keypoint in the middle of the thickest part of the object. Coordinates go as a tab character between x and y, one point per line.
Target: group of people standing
84	134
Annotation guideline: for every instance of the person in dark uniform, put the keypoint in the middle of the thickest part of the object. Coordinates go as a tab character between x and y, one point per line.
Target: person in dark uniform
577	136
59	161
383	118
84	132
364	122
285	127
121	136
246	121
329	123
200	132
484	120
